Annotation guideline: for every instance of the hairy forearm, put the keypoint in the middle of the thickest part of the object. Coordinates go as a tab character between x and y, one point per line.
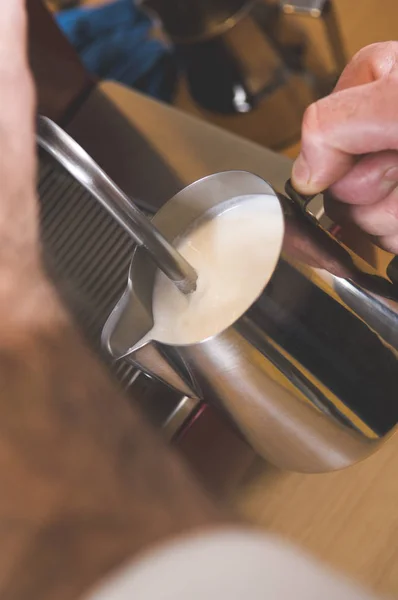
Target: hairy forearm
86	482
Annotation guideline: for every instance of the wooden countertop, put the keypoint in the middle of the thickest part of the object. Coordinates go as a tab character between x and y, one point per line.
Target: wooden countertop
349	518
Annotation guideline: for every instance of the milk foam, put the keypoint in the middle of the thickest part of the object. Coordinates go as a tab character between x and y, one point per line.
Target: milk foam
234	255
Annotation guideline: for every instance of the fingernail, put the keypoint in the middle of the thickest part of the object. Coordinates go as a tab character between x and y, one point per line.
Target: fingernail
301	172
391	174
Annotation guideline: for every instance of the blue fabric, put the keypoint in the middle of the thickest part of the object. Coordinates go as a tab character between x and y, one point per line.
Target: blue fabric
114	42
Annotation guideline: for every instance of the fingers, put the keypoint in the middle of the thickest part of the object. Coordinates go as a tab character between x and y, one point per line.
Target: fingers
350	145
343	126
352	121
379	219
370	180
389	243
369	64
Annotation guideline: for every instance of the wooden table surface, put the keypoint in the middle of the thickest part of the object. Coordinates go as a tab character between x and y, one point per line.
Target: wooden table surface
348	519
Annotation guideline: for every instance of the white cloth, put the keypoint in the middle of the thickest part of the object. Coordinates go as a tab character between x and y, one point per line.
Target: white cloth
230	564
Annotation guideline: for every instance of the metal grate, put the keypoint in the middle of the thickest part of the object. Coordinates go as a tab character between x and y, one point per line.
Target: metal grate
87	254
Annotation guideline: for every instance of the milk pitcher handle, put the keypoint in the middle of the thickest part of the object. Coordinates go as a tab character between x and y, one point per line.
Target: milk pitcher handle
372	282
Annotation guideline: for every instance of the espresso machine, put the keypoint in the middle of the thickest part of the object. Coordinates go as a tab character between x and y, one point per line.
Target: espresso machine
320	323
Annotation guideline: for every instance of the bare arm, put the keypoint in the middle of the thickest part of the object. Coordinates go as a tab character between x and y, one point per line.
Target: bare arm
84	482
87	484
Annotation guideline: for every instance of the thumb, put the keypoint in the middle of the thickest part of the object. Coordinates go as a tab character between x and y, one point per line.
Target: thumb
341	127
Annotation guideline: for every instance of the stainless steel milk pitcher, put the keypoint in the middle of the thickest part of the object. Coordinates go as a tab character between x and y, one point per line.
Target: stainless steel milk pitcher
309	374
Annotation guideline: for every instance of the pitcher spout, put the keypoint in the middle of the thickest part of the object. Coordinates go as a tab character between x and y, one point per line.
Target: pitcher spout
170	370
126	335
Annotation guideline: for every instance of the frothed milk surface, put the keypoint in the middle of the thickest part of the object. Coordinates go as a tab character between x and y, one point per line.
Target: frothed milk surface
234	254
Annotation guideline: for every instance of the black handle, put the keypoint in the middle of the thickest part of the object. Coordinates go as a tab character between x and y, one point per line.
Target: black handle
302	201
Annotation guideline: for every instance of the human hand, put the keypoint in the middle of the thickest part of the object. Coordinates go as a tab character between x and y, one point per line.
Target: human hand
350	145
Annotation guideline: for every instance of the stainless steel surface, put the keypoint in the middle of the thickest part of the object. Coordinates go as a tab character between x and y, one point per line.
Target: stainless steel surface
81	166
179	416
325	10
305	7
310	373
305	203
88	254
